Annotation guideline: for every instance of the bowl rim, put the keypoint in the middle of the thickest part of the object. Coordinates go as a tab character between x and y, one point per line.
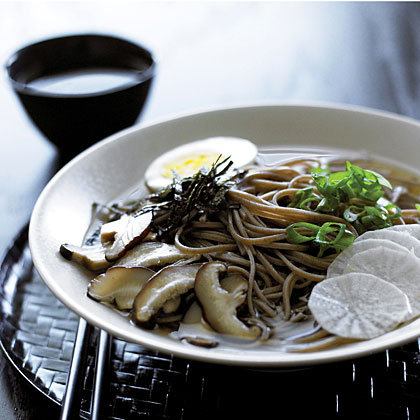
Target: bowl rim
238	360
24	89
316	104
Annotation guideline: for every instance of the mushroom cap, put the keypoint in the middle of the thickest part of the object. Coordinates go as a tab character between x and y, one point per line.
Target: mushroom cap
110	229
134	231
165	285
150	254
91	257
220	306
120	285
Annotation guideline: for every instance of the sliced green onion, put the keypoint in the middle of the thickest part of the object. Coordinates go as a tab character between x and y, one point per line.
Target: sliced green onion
352	213
340	187
294	237
318	236
301	196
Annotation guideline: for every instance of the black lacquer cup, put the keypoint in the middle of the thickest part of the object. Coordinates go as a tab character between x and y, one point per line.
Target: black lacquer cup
73	121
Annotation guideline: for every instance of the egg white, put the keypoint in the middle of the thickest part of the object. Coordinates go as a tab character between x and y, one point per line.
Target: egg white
241	151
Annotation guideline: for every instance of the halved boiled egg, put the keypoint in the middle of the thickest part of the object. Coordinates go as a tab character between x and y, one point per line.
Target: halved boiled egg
189	158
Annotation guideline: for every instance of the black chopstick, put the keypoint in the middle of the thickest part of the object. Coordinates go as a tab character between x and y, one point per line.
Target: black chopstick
100	391
70	408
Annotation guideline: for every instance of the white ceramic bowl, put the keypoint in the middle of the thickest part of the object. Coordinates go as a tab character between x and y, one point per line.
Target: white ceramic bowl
117	164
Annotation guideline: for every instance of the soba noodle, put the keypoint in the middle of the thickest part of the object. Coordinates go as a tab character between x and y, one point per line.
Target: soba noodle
250	237
252	240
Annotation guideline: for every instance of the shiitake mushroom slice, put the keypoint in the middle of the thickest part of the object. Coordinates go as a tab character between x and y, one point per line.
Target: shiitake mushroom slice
219	305
166	285
119	285
91	257
133	232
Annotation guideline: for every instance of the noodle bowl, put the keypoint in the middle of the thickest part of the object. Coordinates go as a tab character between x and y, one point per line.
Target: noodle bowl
111	171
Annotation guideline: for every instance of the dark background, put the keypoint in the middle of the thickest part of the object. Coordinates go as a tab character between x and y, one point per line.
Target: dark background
208	54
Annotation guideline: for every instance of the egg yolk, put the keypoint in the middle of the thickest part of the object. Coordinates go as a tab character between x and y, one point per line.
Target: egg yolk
188	165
